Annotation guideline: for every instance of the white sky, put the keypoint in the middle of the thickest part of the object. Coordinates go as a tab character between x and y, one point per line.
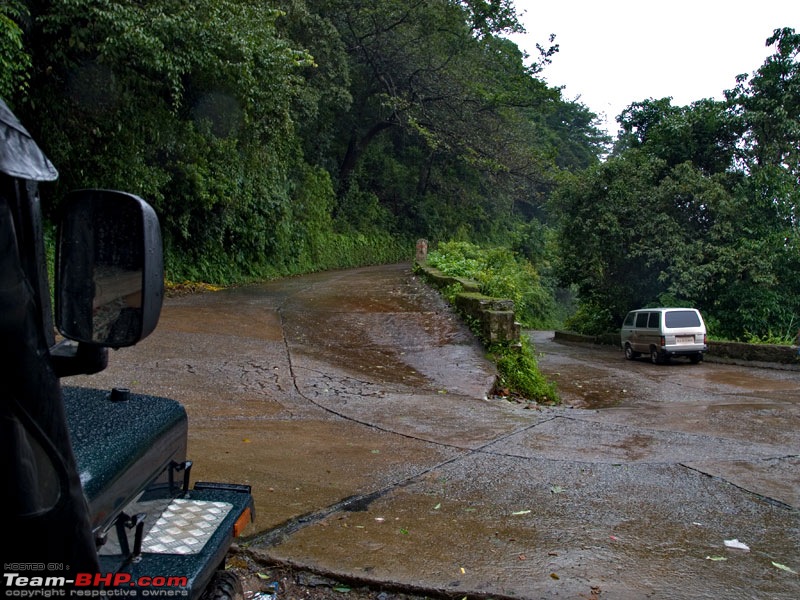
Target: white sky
615	52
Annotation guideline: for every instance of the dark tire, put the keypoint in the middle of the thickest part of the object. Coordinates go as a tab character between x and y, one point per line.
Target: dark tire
224	585
630	354
655	357
696	358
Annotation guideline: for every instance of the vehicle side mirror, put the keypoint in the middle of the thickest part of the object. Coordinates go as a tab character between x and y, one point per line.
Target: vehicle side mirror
109	269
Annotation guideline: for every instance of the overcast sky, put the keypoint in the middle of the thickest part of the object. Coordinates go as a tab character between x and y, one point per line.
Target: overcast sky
615	52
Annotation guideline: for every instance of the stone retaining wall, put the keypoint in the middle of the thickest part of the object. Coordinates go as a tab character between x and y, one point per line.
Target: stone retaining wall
495	316
766	353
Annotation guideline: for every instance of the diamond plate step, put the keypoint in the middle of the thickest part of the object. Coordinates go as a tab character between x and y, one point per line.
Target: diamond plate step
185	527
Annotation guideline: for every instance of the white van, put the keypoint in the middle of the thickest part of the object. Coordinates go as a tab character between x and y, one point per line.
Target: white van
663	333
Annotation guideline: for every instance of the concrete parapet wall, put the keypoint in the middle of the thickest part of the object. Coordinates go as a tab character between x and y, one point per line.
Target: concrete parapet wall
736	351
754	352
496	318
439	280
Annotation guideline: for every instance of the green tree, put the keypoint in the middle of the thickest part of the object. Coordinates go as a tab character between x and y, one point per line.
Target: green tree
266	137
410	63
698	205
15	62
769	103
186	103
766	298
604	251
448	128
704	133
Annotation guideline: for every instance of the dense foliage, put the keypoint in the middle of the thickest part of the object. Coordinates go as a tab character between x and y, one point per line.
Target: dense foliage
518	374
14	61
697	205
281	137
501	274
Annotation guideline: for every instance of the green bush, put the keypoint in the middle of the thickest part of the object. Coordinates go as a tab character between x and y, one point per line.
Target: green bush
500	274
590	319
519	375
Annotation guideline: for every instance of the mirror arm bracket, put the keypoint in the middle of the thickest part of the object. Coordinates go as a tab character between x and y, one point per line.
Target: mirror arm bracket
74	358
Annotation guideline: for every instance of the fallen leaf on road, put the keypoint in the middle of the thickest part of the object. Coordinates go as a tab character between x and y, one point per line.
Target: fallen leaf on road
716	558
520	512
783	567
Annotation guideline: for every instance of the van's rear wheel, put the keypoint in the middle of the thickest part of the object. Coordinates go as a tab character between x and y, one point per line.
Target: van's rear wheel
696	358
630	354
655	356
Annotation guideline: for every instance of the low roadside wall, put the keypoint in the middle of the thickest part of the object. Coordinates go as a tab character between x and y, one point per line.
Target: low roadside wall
495	316
735	351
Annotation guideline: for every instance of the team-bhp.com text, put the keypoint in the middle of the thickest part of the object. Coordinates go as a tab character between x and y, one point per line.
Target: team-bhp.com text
93	585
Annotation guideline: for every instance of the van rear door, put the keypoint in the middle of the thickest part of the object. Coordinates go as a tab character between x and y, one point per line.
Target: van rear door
684	329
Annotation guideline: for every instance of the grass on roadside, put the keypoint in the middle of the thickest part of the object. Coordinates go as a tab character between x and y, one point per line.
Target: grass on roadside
519	376
501	274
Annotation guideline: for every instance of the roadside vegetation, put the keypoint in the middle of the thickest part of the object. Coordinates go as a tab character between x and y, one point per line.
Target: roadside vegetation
502	273
518	374
283	138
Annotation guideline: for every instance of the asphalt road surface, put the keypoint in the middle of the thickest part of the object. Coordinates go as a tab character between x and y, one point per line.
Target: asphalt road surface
355	403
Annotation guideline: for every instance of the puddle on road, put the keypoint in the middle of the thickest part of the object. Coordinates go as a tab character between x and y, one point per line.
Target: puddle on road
601	399
779	381
581	389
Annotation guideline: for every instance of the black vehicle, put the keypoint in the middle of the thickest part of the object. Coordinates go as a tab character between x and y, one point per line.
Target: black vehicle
97	482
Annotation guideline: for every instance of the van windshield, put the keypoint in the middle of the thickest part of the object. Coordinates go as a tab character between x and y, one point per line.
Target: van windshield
681	318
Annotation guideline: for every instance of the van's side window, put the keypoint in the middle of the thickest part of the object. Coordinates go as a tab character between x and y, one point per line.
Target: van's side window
655	320
641	319
629	320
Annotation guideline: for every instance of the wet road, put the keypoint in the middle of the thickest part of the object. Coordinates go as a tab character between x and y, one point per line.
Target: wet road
734	405
355	404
